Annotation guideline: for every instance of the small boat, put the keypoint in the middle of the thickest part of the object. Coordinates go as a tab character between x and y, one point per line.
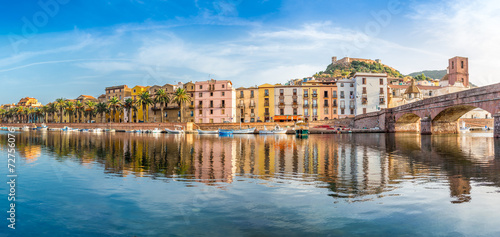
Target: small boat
66	129
245	131
97	130
110	130
156	130
225	131
277	130
25	128
43	127
177	130
207	131
54	129
486	128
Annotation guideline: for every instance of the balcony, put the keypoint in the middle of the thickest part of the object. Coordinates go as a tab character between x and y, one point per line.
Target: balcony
334	105
382	102
211	106
306	95
315	105
342	97
342	106
241	105
334	96
266	114
294	96
241	97
251	106
251	96
315	95
325	105
325	96
351	106
282	97
199	106
211	87
266	94
281	105
364	101
306	105
266	104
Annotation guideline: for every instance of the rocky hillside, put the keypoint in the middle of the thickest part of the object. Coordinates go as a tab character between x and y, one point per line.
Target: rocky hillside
349	69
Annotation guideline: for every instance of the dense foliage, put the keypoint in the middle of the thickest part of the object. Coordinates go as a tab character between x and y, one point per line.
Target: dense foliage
436	74
349	69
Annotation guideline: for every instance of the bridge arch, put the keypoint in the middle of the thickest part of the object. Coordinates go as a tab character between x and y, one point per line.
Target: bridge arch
453	113
407	122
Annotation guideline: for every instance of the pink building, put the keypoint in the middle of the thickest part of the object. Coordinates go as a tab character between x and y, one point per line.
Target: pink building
214	101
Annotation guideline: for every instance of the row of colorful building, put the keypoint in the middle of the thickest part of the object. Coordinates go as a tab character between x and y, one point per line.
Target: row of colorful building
308	99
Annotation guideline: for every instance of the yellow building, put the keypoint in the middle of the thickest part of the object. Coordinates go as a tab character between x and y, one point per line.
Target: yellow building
138	116
266	103
246	101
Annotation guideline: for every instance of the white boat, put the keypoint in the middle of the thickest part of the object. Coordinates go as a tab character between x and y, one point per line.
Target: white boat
97	130
244	131
110	130
156	130
463	128
277	130
177	130
207	131
25	128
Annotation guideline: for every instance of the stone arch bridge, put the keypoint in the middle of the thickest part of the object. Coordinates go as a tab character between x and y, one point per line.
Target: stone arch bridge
435	115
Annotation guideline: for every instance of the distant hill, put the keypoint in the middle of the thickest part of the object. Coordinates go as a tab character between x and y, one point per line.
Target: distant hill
434	74
347	67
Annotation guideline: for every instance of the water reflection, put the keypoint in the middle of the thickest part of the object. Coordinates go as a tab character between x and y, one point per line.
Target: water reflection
353	167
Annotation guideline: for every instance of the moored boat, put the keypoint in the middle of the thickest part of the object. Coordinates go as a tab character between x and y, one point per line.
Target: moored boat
225	131
177	130
245	131
25	128
207	131
277	130
156	130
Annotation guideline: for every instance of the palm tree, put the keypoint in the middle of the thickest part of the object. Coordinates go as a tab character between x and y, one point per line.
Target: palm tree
101	108
129	105
53	110
3	114
163	99
79	109
45	111
60	105
69	107
90	109
181	97
114	104
144	100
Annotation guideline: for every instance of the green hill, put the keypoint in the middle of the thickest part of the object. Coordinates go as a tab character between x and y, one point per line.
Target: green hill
349	69
435	74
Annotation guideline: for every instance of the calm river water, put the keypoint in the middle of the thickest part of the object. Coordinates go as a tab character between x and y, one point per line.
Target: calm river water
83	184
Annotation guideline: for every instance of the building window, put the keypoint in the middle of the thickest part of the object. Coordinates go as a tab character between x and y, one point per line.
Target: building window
211	111
294	111
342	95
381	91
251	94
201	87
326	111
281	92
211	94
364	90
462	64
294	91
452	65
192	114
351	84
325	94
334	111
342	111
341	84
222	85
306	112
315	112
200	94
241	112
223	111
381	81
241	94
200	112
352	111
364	110
282	112
223	93
364	81
251	111
266	92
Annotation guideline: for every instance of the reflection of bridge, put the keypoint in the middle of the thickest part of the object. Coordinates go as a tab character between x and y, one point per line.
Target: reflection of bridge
438	114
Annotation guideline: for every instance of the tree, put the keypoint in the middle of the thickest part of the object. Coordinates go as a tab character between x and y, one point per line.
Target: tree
181	97
53	110
129	105
144	100
79	109
90	110
114	105
163	99
60	106
69	107
102	109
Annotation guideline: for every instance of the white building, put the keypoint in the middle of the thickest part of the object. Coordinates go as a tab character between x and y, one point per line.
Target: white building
371	92
346	98
288	101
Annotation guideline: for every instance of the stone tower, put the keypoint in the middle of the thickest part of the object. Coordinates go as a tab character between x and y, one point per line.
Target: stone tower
458	70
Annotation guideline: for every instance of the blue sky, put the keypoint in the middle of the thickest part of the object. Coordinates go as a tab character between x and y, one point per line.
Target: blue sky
65	48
